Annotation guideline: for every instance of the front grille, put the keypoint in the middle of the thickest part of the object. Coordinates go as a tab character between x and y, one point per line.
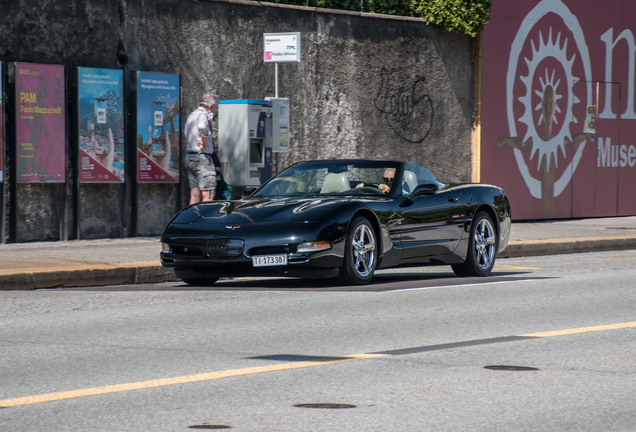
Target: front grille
270	250
225	248
187	251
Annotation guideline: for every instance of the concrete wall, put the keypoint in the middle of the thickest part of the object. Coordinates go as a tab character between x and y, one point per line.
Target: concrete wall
367	86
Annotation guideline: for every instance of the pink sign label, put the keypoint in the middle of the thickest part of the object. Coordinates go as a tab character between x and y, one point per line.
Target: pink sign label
92	170
151	172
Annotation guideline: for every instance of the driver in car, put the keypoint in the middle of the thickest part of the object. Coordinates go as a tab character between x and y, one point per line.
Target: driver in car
388	177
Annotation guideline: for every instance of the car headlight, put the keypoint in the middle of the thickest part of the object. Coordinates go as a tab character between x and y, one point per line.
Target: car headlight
313	246
165	248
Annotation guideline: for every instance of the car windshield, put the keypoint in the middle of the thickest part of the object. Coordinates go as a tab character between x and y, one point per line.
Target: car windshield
366	178
332	177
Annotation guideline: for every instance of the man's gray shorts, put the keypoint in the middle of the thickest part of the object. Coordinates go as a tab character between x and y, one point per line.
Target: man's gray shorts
201	172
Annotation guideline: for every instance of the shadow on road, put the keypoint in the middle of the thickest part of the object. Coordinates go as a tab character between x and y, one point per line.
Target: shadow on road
383	281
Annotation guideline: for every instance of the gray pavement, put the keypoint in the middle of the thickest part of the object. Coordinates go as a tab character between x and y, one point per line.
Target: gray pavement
136	260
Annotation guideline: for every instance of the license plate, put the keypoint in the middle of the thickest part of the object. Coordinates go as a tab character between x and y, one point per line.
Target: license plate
269	260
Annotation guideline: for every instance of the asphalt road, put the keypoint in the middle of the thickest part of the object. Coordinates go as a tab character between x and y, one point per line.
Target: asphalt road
407	353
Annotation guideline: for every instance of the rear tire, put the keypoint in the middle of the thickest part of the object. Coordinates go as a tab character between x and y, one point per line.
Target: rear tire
200	281
360	257
482	248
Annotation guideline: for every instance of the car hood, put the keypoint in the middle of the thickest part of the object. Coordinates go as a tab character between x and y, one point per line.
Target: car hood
261	211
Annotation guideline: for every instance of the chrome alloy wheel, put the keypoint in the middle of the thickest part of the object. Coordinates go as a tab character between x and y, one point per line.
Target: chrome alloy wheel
485	243
363	250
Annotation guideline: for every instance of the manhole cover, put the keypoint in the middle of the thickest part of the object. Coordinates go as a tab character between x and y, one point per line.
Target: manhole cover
207	426
511	368
325	405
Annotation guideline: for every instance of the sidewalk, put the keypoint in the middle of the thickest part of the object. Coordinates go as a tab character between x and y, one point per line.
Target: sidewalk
136	260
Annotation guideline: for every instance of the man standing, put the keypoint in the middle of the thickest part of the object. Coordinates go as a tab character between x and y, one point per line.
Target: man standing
199	163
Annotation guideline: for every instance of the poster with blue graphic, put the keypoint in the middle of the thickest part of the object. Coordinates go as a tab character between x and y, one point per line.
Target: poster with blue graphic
101	125
158	130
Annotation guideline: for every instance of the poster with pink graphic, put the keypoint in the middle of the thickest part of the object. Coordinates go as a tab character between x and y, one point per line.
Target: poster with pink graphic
1	127
40	123
558	114
158	130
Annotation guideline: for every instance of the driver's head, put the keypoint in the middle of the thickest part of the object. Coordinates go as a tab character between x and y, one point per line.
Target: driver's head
389	175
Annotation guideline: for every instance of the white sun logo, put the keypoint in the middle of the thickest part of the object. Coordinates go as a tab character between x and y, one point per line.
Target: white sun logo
546	144
549	87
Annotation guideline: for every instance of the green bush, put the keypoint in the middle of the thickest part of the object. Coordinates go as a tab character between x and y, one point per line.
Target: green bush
462	16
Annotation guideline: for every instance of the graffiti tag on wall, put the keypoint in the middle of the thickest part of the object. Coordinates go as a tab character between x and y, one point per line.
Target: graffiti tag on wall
407	108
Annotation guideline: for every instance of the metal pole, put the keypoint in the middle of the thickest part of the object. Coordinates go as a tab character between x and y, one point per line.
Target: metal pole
132	157
276	77
618	179
11	138
75	161
3	159
64	215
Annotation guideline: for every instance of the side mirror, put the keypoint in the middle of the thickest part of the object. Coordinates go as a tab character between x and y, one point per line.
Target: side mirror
425	189
247	192
422	189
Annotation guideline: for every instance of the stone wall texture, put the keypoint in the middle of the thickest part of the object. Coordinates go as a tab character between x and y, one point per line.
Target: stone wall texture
368	86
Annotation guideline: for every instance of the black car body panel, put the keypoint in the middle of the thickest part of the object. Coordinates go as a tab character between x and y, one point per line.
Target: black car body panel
221	238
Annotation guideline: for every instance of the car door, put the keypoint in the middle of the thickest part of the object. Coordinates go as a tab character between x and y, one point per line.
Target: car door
431	225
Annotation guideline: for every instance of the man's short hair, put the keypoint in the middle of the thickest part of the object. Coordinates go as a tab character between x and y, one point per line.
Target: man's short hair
208	99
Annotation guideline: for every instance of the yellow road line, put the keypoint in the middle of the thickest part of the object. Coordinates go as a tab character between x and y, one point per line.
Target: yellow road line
573	239
49	397
517	267
27	400
581	330
602	259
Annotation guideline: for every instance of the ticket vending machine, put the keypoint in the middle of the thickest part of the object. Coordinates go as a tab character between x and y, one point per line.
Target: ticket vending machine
245	141
280	123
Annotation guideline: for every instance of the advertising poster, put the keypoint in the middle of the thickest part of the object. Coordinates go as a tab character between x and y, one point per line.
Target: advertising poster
40	123
1	127
101	125
558	107
158	136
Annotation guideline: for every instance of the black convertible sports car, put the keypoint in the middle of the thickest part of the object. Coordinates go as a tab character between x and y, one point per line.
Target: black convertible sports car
345	218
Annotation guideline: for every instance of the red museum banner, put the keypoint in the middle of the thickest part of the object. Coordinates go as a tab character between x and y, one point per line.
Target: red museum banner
557	112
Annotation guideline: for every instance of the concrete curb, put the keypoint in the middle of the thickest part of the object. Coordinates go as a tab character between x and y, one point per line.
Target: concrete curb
153	272
88	275
567	246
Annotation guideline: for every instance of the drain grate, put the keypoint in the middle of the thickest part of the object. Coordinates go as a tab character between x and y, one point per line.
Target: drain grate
207	426
325	405
511	368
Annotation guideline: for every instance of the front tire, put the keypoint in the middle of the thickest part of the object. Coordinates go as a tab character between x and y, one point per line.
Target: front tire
482	248
360	257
